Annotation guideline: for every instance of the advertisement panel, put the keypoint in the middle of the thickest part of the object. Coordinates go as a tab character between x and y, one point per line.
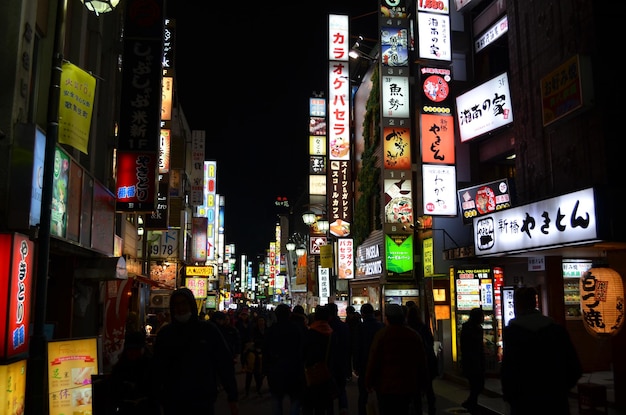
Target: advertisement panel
13	388
484	108
439	190
483	199
70	366
397	148
17	268
437	136
558	221
136	181
399	255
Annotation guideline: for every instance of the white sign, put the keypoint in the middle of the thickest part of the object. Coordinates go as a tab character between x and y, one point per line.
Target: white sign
559	221
536	263
434	36
492	34
484	108
395	92
324	282
439	189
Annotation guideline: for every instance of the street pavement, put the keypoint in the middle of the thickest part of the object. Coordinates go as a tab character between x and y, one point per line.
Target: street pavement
449	398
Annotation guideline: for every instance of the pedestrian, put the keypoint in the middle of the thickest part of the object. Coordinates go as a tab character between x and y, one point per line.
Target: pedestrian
244	327
230	333
190	356
283	364
254	356
318	347
341	360
300	318
132	379
353	319
539	363
473	357
364	337
416	322
396	369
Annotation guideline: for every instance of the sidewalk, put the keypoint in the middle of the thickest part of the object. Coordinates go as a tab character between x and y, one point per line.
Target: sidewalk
455	389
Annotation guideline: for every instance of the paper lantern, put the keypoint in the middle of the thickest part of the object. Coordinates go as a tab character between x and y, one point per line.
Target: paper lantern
602	301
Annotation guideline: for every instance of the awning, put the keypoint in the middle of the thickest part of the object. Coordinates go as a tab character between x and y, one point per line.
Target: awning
103	269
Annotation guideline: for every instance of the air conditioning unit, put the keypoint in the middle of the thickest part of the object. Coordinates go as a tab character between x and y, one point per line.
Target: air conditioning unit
159	300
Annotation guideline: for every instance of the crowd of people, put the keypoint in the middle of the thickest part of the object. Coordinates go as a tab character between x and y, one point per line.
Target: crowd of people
392	355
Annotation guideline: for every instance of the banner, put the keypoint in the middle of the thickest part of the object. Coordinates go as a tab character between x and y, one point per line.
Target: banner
78	90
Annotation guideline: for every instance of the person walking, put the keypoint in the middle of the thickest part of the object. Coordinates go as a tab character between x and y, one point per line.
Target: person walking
132	379
416	322
318	347
299	317
242	324
254	356
190	356
341	360
539	363
396	369
473	357
364	336
353	319
283	364
230	333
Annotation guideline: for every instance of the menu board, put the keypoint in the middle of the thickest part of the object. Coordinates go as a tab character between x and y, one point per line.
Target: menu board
13	387
70	366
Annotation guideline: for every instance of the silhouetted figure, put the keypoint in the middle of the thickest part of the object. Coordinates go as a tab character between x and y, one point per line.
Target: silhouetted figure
539	363
318	346
415	321
190	356
473	357
254	355
341	360
283	364
364	338
132	379
396	369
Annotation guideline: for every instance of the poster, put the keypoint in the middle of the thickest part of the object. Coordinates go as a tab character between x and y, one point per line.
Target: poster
70	366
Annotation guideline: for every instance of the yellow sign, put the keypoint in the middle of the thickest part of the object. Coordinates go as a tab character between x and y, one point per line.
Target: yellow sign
199	271
70	366
326	256
76	106
13	387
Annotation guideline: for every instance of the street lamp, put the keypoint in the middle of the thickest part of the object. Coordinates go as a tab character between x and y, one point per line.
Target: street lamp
100	6
309	217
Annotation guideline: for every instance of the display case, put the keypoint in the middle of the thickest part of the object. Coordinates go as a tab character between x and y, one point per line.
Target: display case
573	269
571	292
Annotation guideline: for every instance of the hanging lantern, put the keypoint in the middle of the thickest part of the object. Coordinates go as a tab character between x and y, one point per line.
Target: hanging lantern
602	301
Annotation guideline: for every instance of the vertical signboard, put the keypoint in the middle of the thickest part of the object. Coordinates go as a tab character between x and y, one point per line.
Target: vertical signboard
339	175
395	103
17	269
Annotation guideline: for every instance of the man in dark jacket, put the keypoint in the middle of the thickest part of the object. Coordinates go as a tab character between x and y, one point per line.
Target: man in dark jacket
364	337
539	362
397	368
190	356
341	361
283	360
473	356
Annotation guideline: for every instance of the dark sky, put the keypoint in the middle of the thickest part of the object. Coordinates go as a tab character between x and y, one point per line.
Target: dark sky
244	73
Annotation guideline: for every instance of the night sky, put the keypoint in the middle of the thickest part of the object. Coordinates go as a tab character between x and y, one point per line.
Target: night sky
245	79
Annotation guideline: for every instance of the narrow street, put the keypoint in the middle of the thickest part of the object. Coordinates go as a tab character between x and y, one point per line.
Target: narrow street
449	397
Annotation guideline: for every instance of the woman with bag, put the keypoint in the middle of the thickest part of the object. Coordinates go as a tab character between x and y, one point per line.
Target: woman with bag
321	389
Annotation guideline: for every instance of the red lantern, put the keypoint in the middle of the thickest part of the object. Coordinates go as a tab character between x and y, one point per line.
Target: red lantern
602	301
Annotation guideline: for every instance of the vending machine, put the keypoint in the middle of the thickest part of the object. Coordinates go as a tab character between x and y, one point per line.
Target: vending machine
474	288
